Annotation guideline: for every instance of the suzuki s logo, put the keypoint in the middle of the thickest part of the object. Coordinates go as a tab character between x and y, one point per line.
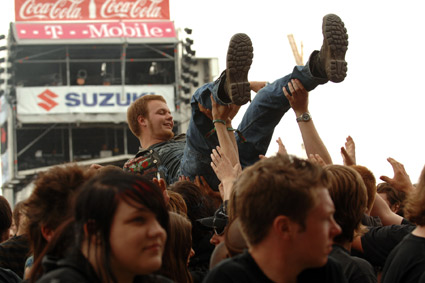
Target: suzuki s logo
47	100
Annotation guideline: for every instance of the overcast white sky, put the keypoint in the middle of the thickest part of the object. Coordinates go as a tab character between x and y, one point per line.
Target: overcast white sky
381	102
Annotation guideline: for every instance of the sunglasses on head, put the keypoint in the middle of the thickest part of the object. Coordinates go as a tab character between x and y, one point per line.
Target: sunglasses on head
219	231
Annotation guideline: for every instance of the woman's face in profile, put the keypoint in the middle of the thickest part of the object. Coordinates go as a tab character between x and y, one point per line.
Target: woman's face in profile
137	240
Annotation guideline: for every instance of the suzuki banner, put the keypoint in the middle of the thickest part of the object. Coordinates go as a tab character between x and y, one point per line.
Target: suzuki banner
89	10
48	101
71	31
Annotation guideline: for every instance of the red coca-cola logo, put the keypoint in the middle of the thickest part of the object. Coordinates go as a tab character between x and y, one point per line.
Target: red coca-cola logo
131	9
58	10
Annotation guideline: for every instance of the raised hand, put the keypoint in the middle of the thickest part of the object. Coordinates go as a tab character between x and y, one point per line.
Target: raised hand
349	152
401	180
282	149
223	167
298	96
317	159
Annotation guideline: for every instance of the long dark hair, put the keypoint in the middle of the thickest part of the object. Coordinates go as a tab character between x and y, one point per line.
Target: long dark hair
97	203
177	250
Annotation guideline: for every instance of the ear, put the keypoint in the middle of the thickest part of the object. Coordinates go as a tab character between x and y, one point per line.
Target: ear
47	233
91	233
143	122
283	226
395	207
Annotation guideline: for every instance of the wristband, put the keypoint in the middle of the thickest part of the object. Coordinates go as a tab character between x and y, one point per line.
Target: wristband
219	121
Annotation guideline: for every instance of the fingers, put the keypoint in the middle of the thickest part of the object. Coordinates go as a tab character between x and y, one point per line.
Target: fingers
215	157
212	100
316	158
344	155
386	179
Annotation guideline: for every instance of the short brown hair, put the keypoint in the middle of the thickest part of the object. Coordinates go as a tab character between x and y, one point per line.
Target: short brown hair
348	193
394	197
370	183
176	203
139	107
415	203
279	185
51	201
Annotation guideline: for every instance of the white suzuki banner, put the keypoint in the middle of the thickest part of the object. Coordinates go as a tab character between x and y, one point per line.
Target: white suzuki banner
85	99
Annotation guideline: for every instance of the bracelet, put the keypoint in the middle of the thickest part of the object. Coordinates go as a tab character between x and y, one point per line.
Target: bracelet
219	121
230	129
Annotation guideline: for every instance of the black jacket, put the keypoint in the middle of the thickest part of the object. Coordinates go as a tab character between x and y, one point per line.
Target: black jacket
76	268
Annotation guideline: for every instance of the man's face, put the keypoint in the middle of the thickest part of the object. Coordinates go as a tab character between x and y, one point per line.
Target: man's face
159	121
313	244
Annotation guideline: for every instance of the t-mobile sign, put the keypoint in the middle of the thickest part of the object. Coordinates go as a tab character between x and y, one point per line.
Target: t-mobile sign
152	29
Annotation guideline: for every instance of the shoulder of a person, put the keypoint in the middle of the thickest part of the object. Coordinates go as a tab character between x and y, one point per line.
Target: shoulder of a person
64	274
228	270
180	137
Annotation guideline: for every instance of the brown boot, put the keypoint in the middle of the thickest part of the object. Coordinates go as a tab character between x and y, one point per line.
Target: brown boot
332	54
239	59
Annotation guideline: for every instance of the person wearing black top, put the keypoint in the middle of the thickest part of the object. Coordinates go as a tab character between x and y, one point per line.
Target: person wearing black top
349	195
286	215
120	227
406	261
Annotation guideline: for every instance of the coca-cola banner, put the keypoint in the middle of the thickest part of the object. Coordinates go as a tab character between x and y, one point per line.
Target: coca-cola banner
88	10
145	30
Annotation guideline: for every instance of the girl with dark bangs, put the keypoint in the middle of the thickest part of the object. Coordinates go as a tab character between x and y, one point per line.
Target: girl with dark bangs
120	228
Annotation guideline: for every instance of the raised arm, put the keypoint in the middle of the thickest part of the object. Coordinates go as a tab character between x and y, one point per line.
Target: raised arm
298	99
221	117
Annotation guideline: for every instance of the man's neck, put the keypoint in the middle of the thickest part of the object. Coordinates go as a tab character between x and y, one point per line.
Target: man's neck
419	231
148	142
276	266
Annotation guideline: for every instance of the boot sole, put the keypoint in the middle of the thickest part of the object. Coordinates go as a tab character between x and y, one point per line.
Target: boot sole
239	60
335	38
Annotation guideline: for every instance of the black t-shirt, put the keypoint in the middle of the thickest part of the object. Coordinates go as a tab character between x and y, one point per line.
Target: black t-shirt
378	242
243	268
422	279
406	263
355	269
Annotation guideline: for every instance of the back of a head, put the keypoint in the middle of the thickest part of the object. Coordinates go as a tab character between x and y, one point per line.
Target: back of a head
415	203
219	254
51	201
233	238
20	218
348	193
370	183
140	108
275	186
198	205
5	219
177	249
396	199
176	203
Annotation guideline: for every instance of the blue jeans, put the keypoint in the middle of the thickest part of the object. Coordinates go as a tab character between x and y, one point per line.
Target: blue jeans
257	125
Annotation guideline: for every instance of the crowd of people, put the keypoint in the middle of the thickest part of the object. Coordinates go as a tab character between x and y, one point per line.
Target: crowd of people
208	206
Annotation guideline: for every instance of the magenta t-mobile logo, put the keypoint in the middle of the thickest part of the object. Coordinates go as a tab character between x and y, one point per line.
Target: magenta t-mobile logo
48	103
